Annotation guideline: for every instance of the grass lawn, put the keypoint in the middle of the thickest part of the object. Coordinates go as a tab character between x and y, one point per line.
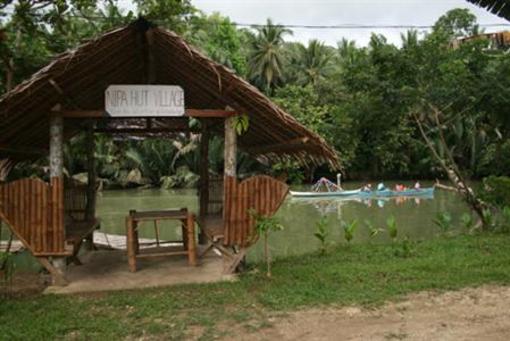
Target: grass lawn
347	275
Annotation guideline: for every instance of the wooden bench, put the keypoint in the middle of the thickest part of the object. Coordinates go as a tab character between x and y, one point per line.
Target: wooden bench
78	228
188	235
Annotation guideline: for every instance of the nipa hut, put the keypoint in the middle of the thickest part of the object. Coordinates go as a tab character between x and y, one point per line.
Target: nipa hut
68	96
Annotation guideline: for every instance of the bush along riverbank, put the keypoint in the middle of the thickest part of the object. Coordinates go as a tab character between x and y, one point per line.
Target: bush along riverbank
345	275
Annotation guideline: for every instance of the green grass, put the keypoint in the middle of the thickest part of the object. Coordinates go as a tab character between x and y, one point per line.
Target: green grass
350	274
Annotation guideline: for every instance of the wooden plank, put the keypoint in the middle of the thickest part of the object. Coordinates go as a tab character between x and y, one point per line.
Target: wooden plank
161	254
57	276
191	251
290	144
198	113
21	150
210	113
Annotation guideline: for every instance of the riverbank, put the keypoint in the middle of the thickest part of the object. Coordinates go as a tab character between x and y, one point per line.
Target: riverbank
350	275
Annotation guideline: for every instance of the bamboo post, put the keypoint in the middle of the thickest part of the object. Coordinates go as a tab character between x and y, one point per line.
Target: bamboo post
229	172
204	178
230	147
91	174
90	209
57	189
190	230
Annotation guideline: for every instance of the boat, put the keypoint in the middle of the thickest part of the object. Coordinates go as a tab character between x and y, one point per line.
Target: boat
410	192
335	191
356	192
429	191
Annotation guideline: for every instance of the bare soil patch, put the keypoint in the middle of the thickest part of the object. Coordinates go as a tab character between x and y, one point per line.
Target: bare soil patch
469	314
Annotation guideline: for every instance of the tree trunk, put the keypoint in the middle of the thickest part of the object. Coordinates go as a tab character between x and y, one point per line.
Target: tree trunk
451	169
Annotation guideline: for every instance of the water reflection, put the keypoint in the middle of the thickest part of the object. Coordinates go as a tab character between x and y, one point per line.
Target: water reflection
413	215
334	204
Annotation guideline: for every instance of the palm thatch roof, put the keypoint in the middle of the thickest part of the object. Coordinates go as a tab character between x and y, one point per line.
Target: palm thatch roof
498	7
77	80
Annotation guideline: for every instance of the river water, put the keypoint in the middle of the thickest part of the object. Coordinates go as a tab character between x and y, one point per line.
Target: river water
414	217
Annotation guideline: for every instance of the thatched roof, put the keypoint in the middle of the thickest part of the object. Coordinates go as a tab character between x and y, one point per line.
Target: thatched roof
498	7
78	79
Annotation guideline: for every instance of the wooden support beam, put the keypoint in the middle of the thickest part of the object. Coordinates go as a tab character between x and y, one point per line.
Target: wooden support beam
56	146
150	60
230	147
142	131
211	113
21	150
290	144
90	209
204	176
57	189
199	113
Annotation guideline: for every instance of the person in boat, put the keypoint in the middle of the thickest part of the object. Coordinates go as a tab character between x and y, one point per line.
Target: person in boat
367	188
381	187
417	186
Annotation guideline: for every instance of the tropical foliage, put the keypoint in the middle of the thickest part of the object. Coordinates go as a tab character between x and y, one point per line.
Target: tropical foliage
362	100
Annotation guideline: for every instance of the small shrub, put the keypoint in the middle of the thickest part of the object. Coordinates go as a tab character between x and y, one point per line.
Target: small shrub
405	249
391	225
467	221
443	221
349	229
505	223
264	226
373	231
496	191
322	234
488	218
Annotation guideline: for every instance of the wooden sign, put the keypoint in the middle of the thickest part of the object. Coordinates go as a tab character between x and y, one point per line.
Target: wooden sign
144	100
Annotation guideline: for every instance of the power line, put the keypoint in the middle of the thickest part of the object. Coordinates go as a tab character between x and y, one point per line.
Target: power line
306	26
357	26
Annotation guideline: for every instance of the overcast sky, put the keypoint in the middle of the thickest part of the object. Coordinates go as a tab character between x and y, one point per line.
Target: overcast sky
335	12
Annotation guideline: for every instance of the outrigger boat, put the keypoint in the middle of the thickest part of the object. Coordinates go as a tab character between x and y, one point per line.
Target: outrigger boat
335	190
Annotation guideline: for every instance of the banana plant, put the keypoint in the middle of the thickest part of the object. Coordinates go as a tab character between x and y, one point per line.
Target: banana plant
322	234
349	229
443	221
467	221
391	225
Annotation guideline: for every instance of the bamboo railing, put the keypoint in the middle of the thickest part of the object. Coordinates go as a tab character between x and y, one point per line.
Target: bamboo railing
34	210
262	194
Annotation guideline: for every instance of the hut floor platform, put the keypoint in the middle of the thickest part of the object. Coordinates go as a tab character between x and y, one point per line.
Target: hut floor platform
107	270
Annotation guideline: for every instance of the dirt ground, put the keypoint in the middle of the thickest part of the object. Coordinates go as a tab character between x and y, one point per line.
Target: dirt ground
469	314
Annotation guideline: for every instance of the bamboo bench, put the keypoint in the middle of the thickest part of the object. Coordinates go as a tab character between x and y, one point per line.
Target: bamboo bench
77	226
188	235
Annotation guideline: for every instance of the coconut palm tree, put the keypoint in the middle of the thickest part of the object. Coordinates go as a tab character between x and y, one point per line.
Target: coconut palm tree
347	50
311	63
409	39
265	60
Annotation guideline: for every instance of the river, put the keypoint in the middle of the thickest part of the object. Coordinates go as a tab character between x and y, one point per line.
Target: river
414	217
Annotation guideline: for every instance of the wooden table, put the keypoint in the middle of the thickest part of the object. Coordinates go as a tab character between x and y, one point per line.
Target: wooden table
188	234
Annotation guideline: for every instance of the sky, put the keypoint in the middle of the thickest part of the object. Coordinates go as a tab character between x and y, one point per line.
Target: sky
337	12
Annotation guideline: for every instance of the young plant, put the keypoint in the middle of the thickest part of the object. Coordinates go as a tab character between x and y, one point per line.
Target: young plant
467	221
488	219
264	226
349	229
373	231
391	225
241	124
443	221
505	224
405	249
322	233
